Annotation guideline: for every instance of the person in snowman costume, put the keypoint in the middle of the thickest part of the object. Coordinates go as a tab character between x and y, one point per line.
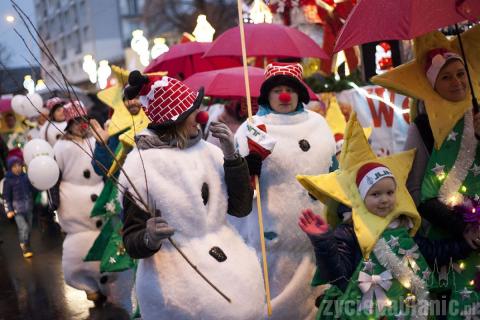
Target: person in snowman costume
303	143
53	129
78	189
178	185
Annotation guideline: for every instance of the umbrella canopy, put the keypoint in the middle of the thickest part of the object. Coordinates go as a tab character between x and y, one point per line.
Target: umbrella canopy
374	20
229	83
185	59
266	40
5	105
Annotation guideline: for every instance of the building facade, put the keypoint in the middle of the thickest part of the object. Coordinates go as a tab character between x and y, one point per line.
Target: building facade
72	29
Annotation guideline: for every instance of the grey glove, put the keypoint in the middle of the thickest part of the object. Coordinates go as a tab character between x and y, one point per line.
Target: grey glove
224	134
157	230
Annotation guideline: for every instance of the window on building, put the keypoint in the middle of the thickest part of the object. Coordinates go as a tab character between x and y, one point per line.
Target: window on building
78	42
86	31
131	7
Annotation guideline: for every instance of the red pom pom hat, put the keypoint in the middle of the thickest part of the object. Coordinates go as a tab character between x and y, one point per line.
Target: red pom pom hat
283	74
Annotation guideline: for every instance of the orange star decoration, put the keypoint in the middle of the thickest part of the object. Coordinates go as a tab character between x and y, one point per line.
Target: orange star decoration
340	186
410	79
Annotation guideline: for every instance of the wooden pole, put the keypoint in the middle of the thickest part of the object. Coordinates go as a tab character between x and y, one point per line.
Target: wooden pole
257	184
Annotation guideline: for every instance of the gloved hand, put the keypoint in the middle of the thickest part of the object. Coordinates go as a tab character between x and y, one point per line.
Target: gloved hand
254	162
224	134
157	230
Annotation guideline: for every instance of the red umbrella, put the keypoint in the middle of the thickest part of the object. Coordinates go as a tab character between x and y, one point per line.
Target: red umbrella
185	59
374	20
229	83
5	105
266	40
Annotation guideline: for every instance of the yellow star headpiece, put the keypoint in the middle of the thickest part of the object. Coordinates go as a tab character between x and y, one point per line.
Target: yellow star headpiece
336	120
410	79
121	118
340	185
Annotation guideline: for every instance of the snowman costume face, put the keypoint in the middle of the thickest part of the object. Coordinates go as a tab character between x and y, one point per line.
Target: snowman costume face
304	143
167	287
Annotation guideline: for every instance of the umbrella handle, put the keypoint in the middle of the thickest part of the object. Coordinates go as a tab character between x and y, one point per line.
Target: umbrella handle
257	184
474	99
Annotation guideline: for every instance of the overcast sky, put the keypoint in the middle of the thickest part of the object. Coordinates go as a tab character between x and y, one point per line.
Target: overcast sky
10	39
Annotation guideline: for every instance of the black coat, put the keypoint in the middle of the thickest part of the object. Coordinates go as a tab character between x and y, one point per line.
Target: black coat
338	253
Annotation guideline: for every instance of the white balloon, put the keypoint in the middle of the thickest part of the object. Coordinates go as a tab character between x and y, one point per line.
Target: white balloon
43	172
17	103
35	148
32	105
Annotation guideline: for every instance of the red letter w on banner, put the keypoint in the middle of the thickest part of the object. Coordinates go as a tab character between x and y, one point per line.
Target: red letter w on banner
383	110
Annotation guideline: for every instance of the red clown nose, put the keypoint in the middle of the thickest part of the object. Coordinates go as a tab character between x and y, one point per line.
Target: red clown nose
285	97
84	125
202	117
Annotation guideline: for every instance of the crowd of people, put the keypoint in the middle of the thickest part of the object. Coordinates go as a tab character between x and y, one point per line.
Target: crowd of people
132	212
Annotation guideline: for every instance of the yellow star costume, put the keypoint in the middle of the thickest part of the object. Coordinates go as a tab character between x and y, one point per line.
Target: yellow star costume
409	79
340	185
336	120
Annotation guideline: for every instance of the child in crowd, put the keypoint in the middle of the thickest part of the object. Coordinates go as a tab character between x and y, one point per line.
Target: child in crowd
18	201
396	272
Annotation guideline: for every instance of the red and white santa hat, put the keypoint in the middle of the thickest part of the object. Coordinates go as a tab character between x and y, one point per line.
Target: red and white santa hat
436	59
165	100
74	109
369	174
338	142
288	74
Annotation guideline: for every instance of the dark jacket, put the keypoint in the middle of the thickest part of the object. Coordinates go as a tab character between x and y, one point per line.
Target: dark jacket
240	196
338	253
17	193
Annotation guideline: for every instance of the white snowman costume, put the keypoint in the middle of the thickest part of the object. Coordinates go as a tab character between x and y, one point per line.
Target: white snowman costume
79	188
304	143
167	287
51	131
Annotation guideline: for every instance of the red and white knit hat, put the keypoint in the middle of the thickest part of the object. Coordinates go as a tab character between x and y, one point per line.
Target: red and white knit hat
288	74
338	142
369	174
436	59
165	100
74	109
52	102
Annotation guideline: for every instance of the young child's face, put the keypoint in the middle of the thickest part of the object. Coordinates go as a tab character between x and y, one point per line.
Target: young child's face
381	198
17	169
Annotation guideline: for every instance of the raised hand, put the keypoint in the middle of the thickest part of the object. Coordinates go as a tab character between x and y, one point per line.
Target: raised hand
220	131
311	223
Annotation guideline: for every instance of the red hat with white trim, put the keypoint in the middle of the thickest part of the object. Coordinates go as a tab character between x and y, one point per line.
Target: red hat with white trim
74	109
369	174
338	142
436	59
166	100
52	102
283	74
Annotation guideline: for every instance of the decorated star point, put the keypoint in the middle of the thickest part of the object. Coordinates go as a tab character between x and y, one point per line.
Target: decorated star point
475	169
452	136
410	79
426	274
393	242
465	293
368	266
340	186
112	260
110	206
438	169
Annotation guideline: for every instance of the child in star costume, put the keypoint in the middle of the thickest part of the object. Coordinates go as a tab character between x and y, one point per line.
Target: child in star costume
377	265
446	167
303	142
178	185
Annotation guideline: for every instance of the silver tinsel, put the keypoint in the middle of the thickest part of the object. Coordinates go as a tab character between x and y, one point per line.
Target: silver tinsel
403	273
